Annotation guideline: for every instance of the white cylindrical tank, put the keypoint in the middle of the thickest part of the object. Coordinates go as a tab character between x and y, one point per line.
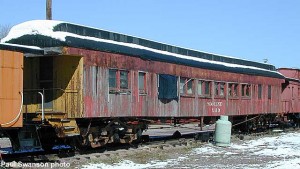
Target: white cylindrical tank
223	131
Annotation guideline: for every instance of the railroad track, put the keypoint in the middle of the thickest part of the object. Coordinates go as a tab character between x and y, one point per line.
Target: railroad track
71	157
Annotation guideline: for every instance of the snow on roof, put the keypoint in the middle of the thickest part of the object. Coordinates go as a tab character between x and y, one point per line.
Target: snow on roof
36	27
45	27
21	46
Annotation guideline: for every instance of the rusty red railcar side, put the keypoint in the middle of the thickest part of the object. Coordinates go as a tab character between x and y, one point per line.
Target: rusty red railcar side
290	98
254	94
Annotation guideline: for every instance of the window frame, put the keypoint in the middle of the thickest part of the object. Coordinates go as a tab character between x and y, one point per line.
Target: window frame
120	80
244	87
232	88
118	89
219	89
269	88
115	87
185	90
204	87
144	90
259	91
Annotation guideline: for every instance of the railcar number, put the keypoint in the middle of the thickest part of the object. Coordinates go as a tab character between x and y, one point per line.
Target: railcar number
215	106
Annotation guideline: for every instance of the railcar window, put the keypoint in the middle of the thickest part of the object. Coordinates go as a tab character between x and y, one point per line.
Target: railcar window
182	81
219	89
112	78
124	79
186	86
269	91
199	87
246	88
207	87
142	82
299	92
118	80
259	91
216	88
190	86
233	89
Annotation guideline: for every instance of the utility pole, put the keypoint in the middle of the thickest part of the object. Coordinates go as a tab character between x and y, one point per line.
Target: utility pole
49	9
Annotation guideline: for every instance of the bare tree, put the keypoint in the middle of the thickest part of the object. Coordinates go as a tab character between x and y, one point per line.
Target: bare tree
4	29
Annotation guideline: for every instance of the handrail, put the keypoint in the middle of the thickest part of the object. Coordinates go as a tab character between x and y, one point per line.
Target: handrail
19	114
44	92
43	113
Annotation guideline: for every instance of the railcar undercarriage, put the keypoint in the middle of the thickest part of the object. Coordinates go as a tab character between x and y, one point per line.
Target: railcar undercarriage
99	132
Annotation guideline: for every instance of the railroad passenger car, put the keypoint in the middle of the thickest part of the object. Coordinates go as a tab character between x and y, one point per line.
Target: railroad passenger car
290	90
102	87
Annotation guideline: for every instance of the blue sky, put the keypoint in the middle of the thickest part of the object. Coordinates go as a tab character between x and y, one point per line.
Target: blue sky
248	29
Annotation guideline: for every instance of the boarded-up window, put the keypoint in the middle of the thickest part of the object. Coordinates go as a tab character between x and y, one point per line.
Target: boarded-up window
259	91
269	91
167	88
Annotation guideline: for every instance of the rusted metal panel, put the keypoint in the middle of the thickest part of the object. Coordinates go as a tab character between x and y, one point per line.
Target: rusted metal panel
11	88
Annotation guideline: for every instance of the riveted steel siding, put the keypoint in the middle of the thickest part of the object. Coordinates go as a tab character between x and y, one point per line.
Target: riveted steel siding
11	84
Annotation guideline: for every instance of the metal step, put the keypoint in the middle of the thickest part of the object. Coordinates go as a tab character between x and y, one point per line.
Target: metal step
65	120
68	127
71	134
51	112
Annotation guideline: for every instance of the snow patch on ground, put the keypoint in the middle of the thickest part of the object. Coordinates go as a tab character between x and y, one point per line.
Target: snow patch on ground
285	164
274	152
127	164
130	164
285	145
